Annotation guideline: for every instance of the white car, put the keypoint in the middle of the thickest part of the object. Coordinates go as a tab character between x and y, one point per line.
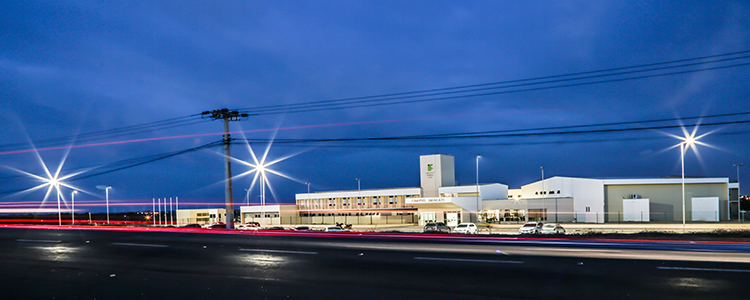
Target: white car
531	228
552	228
333	229
248	227
468	228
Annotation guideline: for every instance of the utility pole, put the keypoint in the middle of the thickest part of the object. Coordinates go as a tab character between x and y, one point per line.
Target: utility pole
227	116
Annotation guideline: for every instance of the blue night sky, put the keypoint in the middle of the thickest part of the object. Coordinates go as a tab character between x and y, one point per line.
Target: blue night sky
70	68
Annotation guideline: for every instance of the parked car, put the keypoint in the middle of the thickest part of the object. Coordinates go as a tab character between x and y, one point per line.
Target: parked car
531	228
333	229
249	226
192	226
276	228
302	228
468	228
437	227
553	228
216	226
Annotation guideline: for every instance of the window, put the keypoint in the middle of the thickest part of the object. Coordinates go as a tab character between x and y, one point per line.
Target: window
376	200
391	200
588	208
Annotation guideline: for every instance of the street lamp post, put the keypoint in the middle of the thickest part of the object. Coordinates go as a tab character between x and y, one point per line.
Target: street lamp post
308	204
682	159
544	197
477	214
263	199
73	209
106	191
59	213
359	200
739	203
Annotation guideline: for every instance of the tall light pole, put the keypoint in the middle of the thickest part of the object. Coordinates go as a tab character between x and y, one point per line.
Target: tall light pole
682	159
359	199
59	213
263	198
739	203
544	196
247	196
477	214
73	210
308	203
106	191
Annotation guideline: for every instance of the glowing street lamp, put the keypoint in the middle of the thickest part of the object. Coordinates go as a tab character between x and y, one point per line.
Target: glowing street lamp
73	210
690	140
59	212
106	191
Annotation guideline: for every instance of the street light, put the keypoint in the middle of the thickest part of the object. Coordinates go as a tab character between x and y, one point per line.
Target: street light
477	215
359	200
106	191
544	197
308	203
688	140
59	213
73	210
739	203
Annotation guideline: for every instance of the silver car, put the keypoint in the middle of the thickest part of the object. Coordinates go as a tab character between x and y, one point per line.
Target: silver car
553	228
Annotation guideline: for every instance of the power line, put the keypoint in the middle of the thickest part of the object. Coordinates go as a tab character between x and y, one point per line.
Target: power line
349	102
499	134
362	105
110	133
498	82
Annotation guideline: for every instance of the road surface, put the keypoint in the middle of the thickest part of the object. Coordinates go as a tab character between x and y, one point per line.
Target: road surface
204	264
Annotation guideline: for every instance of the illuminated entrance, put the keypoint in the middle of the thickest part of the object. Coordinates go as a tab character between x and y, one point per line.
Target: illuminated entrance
427	217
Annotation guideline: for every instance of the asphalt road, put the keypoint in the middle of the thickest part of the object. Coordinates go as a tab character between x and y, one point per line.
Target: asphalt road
86	264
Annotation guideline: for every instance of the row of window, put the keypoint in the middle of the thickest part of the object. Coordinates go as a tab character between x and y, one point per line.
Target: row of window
544	193
360	201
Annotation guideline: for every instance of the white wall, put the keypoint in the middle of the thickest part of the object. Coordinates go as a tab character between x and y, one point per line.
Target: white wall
587	193
705	209
436	171
636	210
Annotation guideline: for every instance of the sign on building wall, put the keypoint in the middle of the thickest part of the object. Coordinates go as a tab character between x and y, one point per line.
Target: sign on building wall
427	200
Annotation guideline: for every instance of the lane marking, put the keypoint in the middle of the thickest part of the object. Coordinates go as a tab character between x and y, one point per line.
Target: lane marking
704	269
469	260
38	241
279	251
140	245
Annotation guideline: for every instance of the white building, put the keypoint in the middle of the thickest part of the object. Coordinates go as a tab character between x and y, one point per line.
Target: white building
438	199
566	199
556	199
